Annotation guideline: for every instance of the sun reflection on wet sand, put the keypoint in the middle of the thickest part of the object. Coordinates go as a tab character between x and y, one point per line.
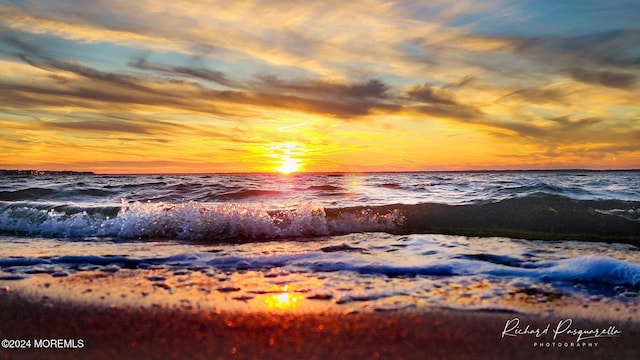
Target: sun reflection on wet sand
284	300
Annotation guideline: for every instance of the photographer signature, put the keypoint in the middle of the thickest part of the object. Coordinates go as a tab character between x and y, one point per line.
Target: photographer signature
513	328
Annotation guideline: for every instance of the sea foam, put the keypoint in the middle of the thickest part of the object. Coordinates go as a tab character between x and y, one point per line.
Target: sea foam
191	221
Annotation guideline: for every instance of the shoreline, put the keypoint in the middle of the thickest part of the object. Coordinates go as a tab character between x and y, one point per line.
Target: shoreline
137	332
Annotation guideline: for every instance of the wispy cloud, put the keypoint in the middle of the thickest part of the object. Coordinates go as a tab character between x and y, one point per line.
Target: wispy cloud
201	73
606	78
371	89
542	95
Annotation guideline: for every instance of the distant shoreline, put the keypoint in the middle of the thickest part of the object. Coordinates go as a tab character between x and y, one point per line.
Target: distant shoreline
43	172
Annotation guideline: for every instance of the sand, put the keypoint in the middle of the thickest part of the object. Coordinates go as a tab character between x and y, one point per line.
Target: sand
130	332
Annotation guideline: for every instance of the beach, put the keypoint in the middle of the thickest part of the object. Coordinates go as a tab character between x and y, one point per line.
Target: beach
152	333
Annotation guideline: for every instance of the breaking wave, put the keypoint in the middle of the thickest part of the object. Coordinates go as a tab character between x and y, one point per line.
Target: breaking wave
192	221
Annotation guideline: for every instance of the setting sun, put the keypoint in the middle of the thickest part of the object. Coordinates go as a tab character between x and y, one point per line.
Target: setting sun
288	156
289	166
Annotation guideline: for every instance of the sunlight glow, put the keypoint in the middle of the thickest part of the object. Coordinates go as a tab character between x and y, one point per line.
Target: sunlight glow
289	165
283	301
287	155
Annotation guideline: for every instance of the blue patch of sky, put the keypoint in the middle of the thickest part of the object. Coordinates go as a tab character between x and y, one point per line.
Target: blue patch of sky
102	56
415	50
185	60
117	58
539	18
250	67
423	12
401	81
18	2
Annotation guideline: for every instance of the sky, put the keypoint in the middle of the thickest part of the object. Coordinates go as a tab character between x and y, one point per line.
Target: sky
146	86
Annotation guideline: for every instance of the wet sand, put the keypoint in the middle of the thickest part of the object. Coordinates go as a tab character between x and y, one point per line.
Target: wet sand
130	332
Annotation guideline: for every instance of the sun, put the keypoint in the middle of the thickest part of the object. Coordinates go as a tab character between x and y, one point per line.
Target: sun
289	165
289	157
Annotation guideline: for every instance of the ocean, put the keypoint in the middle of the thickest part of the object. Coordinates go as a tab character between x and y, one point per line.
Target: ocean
514	241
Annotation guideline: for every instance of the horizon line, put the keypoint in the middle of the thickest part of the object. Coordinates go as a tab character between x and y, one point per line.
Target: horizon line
78	172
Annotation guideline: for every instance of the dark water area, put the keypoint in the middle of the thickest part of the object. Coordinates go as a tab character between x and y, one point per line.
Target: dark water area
537	216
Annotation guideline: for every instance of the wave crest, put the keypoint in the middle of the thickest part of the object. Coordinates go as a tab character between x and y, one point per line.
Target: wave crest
538	216
192	221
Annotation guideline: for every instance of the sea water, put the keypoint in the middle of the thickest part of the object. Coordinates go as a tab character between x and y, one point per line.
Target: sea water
500	241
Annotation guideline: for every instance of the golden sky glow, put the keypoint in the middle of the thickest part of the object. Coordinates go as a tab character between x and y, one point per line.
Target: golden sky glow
204	86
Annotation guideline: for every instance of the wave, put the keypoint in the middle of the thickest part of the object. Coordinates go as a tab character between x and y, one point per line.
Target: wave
585	269
537	216
591	270
46	193
325	188
191	221
136	185
543	187
391	185
25	194
245	194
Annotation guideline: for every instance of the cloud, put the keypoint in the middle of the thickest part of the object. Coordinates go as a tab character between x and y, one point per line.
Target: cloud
97	126
606	49
461	113
98	90
91	23
41	58
523	130
440	103
567	123
610	79
123	80
119	123
73	84
91	88
373	88
347	109
428	94
540	95
193	72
